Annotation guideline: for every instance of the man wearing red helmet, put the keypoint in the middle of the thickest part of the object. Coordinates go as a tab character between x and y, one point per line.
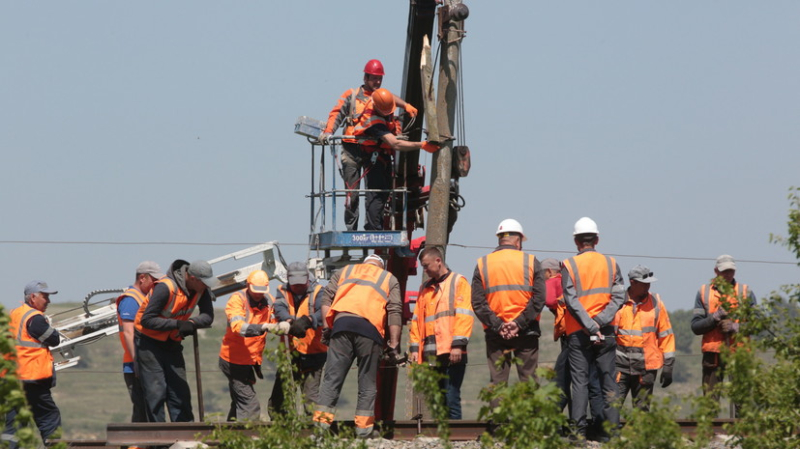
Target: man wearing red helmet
347	112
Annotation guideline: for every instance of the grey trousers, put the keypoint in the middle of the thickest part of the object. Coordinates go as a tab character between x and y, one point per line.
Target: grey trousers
344	348
241	384
162	373
640	387
583	353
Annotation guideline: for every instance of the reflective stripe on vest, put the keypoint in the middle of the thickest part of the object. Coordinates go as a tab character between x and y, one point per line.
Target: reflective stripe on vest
507	276
236	348
34	361
369	119
593	277
635	325
710	297
137	296
179	307
311	343
363	290
440	328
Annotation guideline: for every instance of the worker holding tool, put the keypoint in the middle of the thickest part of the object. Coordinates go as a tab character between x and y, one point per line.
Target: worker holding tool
593	292
250	317
163	321
442	324
645	342
347	112
508	294
33	337
147	273
378	129
358	303
711	320
299	303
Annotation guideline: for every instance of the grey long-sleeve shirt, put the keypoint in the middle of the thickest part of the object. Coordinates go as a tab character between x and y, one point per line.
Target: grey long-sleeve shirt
702	321
574	306
528	316
159	298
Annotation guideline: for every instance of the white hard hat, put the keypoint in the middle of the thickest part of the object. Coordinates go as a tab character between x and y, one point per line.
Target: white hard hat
585	226
510	225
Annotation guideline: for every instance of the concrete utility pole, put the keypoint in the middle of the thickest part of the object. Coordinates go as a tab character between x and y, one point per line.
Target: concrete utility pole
452	16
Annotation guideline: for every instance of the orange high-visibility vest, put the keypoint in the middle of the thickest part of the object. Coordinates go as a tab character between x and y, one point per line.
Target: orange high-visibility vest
310	344
369	119
644	335
443	315
138	296
34	361
593	276
357	99
507	277
179	307
712	341
363	290
236	348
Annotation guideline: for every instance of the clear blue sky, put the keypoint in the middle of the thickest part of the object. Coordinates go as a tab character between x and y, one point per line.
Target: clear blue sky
675	125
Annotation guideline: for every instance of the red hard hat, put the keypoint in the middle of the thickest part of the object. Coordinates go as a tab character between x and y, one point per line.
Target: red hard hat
374	67
383	101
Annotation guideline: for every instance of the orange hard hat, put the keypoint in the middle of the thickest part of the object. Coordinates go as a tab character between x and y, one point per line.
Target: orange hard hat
374	67
258	281
383	101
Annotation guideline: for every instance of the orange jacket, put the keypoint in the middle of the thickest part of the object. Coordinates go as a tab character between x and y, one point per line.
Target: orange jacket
644	336
179	307
443	317
244	340
711	301
138	296
507	277
34	361
310	344
363	290
592	284
344	112
369	119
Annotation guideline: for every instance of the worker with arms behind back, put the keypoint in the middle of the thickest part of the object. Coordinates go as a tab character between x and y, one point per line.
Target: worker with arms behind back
347	112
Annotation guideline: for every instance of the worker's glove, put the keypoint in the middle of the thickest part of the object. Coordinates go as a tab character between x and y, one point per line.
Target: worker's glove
325	339
719	314
276	328
392	357
412	111
323	138
729	326
430	147
300	326
186	328
666	373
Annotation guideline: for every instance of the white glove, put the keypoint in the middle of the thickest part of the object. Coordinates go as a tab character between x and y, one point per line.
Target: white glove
269	327
276	328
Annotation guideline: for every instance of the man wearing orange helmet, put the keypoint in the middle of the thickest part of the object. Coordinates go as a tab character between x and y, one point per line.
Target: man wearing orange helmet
377	130
347	112
250	316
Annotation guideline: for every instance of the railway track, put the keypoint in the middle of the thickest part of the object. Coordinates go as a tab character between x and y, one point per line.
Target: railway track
120	435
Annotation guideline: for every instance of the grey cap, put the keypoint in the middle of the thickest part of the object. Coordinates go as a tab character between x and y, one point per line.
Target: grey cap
641	273
151	268
202	269
297	273
38	287
551	264
725	262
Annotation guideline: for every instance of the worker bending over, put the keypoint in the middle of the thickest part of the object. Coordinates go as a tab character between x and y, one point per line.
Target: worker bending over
250	317
442	324
645	342
357	304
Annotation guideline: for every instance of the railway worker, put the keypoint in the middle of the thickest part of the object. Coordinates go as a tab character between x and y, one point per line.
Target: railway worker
163	321
593	292
442	324
346	113
358	303
128	303
379	129
711	320
508	294
299	305
645	342
249	315
33	337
